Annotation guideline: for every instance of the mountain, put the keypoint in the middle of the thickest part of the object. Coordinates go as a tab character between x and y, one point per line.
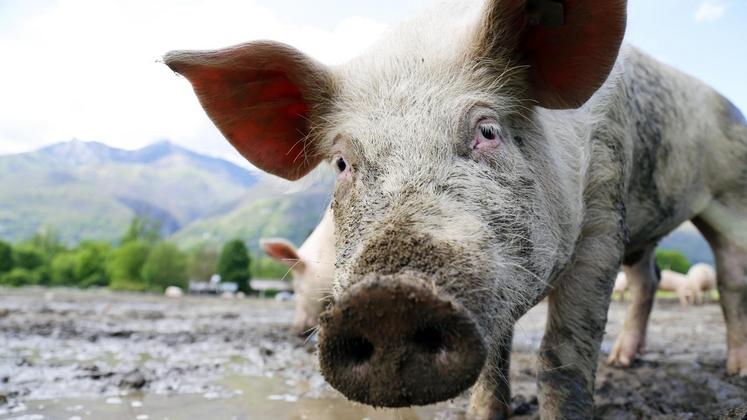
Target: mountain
292	217
88	190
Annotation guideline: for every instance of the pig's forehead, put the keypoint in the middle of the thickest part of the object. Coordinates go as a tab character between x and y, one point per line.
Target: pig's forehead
414	107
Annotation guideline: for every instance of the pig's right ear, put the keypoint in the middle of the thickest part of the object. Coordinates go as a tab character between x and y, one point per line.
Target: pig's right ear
282	251
263	96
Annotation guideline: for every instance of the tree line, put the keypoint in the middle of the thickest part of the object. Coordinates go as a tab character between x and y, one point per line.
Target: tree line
141	261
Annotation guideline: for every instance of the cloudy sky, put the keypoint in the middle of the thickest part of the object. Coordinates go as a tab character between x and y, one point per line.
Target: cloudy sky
88	69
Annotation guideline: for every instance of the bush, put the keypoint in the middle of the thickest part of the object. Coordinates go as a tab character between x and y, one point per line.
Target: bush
125	266
62	270
667	259
165	266
6	257
26	257
234	265
18	277
90	264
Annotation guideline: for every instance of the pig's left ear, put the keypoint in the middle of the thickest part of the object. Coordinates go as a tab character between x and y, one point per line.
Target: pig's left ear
569	46
264	97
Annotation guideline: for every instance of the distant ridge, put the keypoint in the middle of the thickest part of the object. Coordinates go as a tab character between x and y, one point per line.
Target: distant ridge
88	190
76	152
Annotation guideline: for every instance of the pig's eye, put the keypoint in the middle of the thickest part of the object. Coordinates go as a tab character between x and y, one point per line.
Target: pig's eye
340	164
488	131
487	134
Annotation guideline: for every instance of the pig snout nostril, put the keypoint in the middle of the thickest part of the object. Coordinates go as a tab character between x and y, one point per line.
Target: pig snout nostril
398	344
358	350
429	340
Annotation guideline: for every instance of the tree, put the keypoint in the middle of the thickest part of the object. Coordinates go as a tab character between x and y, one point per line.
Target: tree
126	265
165	266
90	264
143	229
20	277
667	259
203	262
234	264
62	270
6	257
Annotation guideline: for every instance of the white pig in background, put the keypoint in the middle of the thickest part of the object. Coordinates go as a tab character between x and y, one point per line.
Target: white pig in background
703	277
491	154
312	267
691	288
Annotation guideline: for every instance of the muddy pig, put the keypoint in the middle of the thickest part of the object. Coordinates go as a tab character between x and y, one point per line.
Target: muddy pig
489	155
312	267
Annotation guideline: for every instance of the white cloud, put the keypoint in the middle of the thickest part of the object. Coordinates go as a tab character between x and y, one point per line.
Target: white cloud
89	68
710	11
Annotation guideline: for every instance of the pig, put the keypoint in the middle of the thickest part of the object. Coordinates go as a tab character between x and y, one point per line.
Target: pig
490	154
673	281
702	277
312	267
687	288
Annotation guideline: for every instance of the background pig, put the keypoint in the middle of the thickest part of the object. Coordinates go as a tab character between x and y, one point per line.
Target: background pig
688	288
703	277
687	292
312	267
484	164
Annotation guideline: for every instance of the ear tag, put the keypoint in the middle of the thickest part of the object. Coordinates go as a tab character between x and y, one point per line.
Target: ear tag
545	12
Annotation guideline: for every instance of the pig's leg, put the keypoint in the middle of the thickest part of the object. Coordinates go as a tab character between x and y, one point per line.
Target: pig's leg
491	396
726	231
642	281
576	320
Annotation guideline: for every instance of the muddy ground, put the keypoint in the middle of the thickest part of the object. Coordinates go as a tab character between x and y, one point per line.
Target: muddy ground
75	355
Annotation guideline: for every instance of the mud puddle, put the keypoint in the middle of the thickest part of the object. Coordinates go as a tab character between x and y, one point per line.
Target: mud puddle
71	354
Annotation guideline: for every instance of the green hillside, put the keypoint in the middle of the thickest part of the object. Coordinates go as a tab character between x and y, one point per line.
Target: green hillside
91	191
289	216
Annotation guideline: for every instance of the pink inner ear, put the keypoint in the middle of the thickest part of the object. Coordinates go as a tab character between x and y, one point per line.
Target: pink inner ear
263	114
282	252
257	95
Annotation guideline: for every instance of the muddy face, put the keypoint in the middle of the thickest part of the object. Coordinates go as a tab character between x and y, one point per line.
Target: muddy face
447	222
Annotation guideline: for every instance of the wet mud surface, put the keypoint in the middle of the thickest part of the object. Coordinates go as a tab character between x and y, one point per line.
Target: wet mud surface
77	355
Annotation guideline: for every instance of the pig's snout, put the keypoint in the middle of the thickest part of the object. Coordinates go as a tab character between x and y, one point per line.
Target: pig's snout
394	343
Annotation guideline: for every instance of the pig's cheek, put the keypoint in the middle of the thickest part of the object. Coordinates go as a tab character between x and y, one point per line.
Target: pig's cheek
487	152
343	185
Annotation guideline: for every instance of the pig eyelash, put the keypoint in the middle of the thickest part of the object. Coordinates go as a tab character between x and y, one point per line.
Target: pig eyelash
487	135
489	131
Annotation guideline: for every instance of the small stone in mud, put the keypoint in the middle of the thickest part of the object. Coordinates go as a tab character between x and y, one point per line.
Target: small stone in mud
4	312
736	413
3	399
133	380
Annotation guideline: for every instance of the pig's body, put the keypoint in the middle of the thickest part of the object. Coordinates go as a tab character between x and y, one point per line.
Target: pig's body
312	267
703	276
460	203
